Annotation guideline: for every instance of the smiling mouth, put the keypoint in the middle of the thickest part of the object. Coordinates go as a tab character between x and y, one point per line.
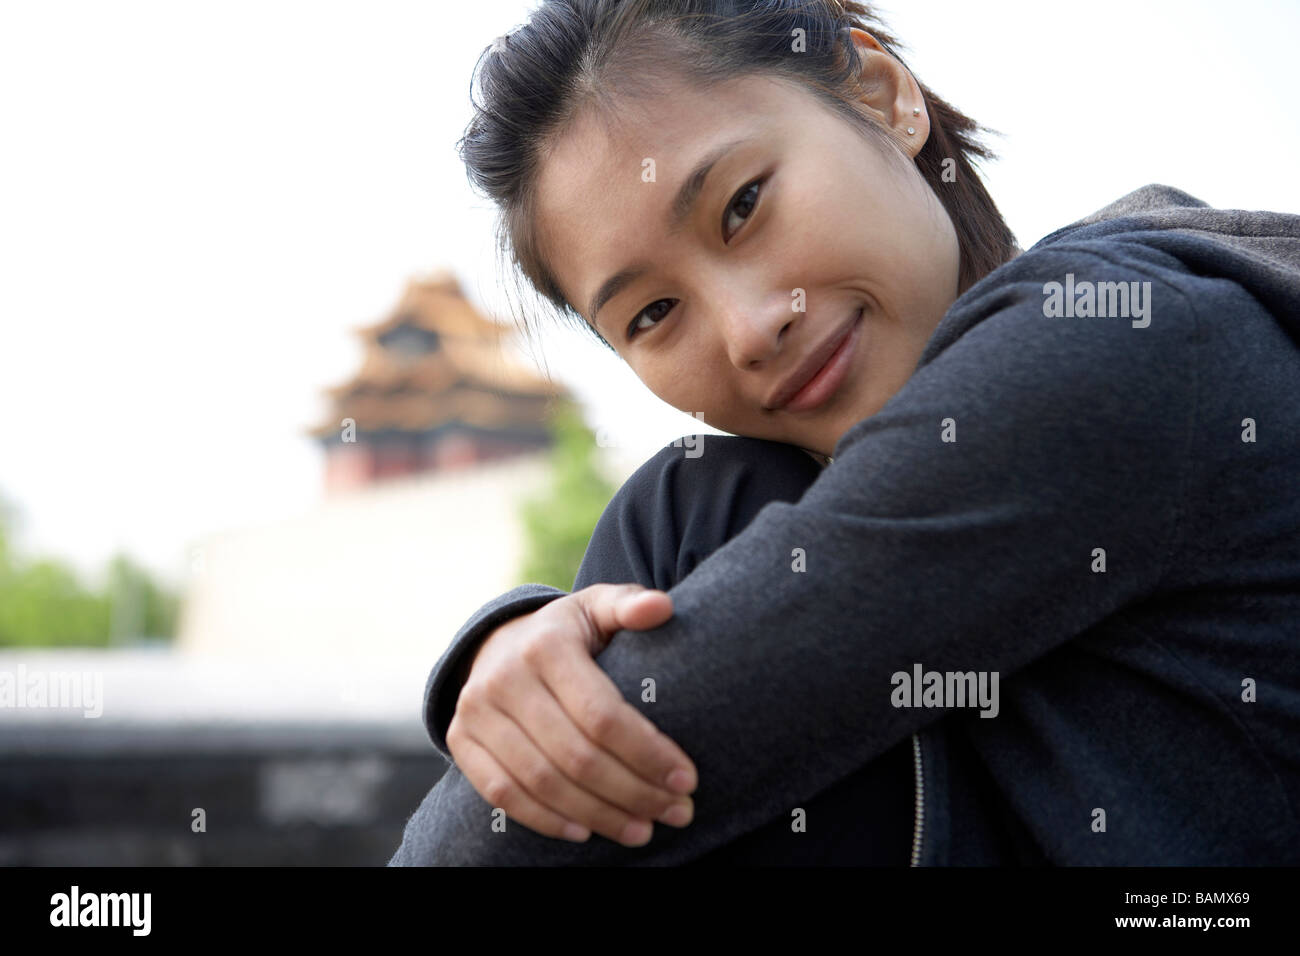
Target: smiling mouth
825	379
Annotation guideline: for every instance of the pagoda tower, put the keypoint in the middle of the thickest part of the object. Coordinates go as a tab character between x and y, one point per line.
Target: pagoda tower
435	391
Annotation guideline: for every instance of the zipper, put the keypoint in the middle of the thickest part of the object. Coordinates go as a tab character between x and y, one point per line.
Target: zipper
918	820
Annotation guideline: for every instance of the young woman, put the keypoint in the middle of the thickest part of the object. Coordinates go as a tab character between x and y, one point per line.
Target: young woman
1003	565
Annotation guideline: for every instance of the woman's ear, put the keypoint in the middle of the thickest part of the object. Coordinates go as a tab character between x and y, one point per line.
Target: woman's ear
890	94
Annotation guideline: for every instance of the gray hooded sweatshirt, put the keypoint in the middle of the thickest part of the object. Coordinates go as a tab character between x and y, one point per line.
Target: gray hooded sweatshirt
1063	559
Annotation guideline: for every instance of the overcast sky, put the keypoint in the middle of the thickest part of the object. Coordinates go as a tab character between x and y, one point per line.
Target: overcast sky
199	201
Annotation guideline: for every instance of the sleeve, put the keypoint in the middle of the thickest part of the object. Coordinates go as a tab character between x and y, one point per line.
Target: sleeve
958	529
442	689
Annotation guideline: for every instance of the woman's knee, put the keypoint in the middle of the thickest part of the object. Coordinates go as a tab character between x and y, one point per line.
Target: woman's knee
687	501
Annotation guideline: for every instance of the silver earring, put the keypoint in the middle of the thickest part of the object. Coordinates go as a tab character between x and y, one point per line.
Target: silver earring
910	131
916	111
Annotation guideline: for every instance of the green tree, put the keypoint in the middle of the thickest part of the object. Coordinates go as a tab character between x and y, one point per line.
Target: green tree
558	524
43	603
138	606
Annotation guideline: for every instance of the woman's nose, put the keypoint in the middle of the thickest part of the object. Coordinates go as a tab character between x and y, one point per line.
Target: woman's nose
756	335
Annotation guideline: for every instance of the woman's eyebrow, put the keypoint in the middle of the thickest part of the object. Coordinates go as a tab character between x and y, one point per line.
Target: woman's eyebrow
694	184
678	213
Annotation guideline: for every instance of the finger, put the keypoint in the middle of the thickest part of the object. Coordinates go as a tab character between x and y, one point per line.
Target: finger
611	607
642	611
595	705
586	765
495	785
548	786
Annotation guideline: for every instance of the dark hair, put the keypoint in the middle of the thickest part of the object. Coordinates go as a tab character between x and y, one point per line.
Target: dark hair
576	53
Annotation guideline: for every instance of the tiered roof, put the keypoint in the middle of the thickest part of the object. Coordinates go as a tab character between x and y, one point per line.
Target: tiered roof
436	360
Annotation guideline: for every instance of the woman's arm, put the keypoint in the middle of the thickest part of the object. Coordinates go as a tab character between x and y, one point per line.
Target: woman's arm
957	530
627	546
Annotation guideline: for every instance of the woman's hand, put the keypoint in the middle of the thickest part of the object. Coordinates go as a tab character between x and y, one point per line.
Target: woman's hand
543	733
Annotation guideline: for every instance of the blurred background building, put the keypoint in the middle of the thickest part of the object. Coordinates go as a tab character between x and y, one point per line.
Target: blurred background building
435	392
430	448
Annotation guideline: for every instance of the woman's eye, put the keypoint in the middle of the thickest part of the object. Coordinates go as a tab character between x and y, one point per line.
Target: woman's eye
636	327
742	204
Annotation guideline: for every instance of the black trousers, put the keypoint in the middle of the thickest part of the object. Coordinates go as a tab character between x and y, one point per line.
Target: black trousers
669	516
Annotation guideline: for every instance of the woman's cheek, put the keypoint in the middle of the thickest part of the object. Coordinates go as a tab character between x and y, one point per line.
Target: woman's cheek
674	389
802	221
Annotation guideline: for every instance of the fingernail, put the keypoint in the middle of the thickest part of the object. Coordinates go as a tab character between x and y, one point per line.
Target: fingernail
576	833
680	781
678	815
637	832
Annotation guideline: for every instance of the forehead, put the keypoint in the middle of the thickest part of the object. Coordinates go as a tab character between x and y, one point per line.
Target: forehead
595	210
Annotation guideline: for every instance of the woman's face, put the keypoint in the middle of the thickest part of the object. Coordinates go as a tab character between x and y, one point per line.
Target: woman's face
803	234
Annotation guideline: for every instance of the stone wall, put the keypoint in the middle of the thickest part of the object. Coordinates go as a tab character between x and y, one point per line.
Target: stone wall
286	795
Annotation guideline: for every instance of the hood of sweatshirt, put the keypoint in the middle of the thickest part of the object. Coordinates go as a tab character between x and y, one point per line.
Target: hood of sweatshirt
1258	250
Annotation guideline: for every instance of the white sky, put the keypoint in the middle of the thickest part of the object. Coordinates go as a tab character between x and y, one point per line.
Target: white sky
198	201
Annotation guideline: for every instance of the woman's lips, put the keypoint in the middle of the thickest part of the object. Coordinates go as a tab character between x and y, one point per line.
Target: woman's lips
830	376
